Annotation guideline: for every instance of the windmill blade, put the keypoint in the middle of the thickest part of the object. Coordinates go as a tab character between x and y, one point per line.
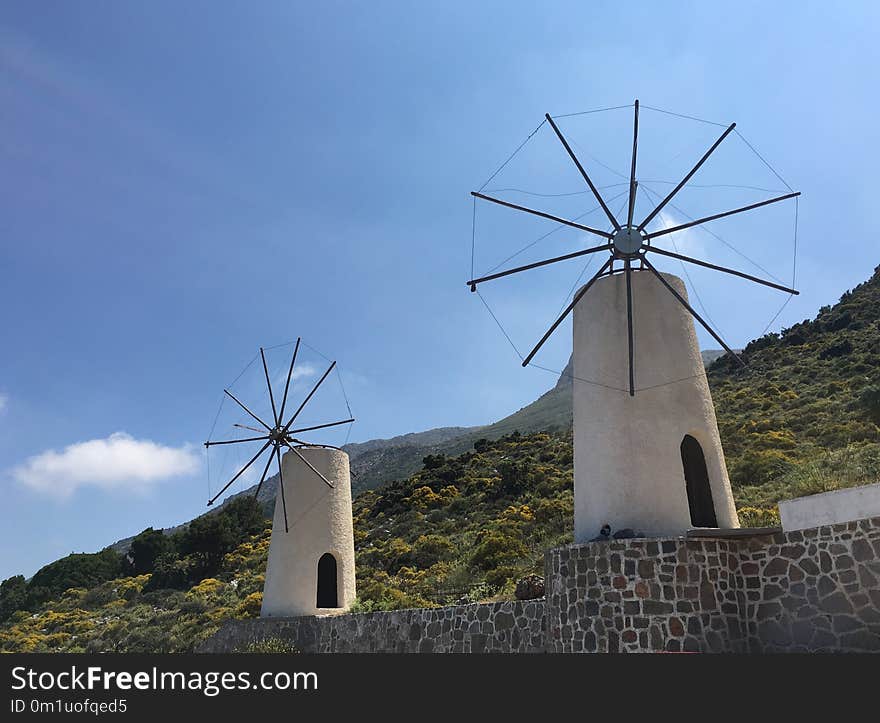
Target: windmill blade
691	310
583	172
629	323
269	384
632	173
234	399
686	178
567	311
239	473
565	222
281	487
289	375
306	400
244	426
236	441
716	216
473	282
263	477
320	426
698	262
309	464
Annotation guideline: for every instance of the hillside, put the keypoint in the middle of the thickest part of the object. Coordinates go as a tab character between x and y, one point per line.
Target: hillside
802	418
379	461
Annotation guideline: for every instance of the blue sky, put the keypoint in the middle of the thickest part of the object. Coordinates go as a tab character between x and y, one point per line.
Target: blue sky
184	182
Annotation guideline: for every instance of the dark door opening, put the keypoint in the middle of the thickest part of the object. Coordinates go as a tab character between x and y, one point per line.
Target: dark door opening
327	597
696	478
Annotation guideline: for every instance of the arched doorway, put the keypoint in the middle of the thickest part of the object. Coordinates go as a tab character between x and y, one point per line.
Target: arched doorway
327	597
696	478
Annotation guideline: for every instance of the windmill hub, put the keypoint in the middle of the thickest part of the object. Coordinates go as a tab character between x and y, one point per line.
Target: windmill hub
628	241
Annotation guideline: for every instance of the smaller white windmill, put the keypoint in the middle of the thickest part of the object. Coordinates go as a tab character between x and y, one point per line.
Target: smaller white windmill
311	555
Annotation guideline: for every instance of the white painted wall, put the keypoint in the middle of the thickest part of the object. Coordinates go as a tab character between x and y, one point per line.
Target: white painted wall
830	508
627	466
319	520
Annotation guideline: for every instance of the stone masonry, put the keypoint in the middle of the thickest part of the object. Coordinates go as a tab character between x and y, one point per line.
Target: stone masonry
645	595
502	627
804	591
810	590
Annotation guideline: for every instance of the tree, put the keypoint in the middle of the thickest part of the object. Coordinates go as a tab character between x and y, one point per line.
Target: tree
13	596
75	570
148	547
870	401
209	537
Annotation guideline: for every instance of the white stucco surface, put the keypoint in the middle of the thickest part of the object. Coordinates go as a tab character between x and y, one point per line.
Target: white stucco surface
320	521
830	508
628	470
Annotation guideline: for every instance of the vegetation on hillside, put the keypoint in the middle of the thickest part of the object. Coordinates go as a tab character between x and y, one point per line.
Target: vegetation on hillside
810	397
803	418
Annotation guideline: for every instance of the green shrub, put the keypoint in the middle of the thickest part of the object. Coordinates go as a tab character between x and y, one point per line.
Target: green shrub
268	645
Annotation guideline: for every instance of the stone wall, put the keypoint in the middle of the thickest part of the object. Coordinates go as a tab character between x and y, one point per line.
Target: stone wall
803	591
808	590
502	627
815	589
645	595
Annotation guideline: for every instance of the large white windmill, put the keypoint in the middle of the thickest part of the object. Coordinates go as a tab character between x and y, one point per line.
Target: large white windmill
647	456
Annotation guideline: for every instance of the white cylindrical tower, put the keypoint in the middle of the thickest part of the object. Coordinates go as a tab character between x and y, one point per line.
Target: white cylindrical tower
311	567
651	462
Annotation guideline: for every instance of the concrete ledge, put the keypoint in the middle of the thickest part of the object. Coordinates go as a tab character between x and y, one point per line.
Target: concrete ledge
830	508
732	533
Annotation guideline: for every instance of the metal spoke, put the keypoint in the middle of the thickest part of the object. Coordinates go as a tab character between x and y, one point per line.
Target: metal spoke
269	384
680	257
289	374
263	478
632	173
706	219
686	178
473	282
306	400
583	172
239	473
236	441
309	464
234	399
281	487
691	310
567	311
551	217
320	426
629	323
244	426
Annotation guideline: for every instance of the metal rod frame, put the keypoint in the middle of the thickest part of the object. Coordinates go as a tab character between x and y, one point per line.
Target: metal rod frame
276	436
574	158
714	217
714	267
235	399
281	487
608	267
687	178
567	311
632	173
549	216
692	311
473	282
629	324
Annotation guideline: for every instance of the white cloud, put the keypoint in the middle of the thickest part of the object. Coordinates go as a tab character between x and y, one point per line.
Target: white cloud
116	462
304	371
685	242
4	400
301	371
